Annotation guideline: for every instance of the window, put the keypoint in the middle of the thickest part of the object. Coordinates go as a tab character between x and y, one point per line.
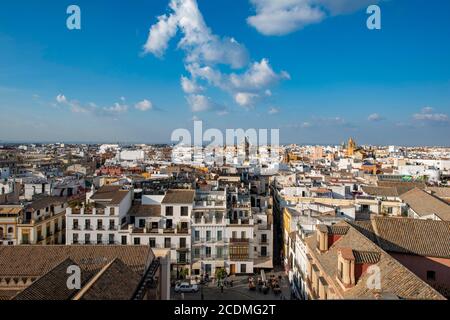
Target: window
264	238
184	226
10	230
75	224
75	238
182	242
152	242
182	257
234	235
219	235
166	242
243	268
184	211
196	235
208	235
196	253
431	275
219	252
137	241
112	225
99	225
99	238
124	240
111	238
169	224
263	251
141	223
87	224
243	235
208	252
389	210
87	238
169	211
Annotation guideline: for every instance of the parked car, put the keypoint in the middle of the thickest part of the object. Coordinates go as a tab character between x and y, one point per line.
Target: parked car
186	287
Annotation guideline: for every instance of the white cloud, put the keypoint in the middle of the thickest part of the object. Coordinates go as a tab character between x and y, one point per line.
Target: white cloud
92	108
160	35
74	105
144	105
280	17
427	114
375	117
273	110
204	51
305	125
116	108
259	76
200	44
245	99
60	98
199	103
222	112
190	86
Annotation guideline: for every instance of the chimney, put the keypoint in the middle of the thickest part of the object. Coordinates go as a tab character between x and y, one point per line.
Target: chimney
322	237
346	267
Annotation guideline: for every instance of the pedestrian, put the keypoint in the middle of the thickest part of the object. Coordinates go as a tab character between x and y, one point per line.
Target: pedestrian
221	288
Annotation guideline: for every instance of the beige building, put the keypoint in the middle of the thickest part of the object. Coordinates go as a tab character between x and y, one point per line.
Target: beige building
43	222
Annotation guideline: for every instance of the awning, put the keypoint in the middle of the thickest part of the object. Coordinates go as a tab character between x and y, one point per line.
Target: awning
263	263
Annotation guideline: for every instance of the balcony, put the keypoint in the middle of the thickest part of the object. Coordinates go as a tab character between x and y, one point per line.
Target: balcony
183	261
239	257
183	230
239	240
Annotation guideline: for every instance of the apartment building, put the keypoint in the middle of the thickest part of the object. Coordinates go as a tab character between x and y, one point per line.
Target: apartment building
43	221
422	205
9	218
240	230
209	224
99	218
163	222
342	263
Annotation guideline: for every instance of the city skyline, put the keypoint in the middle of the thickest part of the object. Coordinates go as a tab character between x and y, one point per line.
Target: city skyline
319	76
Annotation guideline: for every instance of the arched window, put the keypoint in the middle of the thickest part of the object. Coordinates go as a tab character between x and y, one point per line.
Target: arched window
10	230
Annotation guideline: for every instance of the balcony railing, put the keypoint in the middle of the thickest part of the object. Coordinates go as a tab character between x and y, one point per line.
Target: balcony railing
239	240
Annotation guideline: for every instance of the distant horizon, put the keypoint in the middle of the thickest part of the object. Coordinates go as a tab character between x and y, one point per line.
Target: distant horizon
10	142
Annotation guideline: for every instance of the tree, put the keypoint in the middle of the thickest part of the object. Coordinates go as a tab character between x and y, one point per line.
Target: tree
220	273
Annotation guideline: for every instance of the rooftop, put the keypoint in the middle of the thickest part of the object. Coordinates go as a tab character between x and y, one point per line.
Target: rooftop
179	196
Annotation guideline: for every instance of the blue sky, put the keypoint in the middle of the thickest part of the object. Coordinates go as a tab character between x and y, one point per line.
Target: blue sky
314	70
